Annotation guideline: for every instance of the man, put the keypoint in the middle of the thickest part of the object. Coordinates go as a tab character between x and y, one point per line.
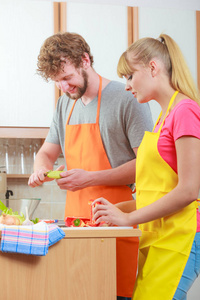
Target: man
98	126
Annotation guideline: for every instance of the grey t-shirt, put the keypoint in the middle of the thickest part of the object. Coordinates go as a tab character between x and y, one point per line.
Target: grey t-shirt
122	121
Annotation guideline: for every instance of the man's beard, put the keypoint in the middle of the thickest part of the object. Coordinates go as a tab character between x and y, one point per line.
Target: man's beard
80	90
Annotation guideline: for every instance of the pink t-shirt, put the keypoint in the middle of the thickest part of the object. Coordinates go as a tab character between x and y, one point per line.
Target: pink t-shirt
183	120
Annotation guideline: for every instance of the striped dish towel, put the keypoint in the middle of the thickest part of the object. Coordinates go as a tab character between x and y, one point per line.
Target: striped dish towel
33	240
55	234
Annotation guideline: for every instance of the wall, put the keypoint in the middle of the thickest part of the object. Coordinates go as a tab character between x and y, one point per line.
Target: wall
179	24
23	27
105	31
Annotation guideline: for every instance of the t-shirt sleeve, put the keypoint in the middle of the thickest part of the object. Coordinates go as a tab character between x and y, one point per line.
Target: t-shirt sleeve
186	121
53	134
138	120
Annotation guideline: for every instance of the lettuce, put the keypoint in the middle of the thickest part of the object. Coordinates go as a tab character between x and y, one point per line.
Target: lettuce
9	211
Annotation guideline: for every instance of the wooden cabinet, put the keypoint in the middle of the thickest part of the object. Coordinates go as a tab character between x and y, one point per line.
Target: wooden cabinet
24	132
81	266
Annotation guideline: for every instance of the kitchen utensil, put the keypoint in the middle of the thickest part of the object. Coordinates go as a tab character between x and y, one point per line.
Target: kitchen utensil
27	221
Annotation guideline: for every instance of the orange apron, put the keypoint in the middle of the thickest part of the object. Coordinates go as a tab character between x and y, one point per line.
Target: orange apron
84	150
165	243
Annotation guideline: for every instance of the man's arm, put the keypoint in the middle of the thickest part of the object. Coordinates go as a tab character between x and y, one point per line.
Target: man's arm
77	179
44	162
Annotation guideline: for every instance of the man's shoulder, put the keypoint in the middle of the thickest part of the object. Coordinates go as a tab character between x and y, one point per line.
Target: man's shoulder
117	89
64	101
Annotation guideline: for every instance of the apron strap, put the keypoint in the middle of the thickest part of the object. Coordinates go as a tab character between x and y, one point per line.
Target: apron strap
169	106
99	99
71	112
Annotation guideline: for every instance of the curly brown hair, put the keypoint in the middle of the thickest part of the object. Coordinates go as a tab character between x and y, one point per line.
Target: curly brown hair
66	45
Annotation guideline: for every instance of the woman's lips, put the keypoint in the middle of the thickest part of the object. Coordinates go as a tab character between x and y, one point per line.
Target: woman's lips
134	94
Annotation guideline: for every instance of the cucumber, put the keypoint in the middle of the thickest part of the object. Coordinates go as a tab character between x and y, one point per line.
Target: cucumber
54	174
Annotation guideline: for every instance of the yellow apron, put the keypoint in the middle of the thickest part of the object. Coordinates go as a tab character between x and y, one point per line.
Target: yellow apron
166	243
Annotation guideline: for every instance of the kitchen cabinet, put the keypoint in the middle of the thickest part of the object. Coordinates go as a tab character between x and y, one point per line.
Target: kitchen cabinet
81	266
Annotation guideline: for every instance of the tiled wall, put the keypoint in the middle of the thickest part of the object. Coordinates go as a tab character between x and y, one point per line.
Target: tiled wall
52	204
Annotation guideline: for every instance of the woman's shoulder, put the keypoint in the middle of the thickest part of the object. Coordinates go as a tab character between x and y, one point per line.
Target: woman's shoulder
186	104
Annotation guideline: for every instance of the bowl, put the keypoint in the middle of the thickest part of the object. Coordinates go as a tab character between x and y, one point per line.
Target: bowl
20	205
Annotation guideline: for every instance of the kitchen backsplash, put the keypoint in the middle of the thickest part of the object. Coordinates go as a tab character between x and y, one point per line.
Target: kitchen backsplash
52	204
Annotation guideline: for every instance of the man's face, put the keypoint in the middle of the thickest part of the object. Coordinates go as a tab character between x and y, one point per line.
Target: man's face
73	82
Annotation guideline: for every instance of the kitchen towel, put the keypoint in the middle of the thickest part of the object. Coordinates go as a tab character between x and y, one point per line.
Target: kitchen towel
55	234
34	240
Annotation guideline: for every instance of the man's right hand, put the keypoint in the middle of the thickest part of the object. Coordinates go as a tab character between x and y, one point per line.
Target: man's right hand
39	177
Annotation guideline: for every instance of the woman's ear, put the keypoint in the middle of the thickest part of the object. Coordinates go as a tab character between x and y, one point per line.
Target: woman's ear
153	67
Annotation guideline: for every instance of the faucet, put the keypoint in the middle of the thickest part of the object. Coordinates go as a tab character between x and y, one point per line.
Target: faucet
8	193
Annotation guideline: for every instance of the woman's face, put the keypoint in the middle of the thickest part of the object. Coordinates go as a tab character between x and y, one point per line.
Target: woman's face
140	83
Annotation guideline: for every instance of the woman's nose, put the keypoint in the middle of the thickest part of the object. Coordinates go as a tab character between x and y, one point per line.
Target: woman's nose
127	87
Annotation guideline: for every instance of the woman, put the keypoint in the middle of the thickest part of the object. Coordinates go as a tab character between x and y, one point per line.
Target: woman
167	172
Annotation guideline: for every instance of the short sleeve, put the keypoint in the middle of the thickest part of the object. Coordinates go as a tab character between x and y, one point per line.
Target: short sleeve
187	120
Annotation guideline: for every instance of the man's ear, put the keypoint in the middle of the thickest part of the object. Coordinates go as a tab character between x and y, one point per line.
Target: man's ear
86	61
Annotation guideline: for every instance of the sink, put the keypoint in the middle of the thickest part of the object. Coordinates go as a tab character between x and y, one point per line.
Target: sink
20	205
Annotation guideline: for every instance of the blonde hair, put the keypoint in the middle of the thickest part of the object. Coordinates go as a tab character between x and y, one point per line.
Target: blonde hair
167	50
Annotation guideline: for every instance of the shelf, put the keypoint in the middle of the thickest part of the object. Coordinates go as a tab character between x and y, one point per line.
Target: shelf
24	132
18	176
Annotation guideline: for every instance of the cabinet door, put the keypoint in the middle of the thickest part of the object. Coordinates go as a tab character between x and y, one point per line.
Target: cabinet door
26	99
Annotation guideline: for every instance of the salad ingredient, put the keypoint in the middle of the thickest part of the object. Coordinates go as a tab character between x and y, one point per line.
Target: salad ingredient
9	213
9	220
84	222
54	174
78	223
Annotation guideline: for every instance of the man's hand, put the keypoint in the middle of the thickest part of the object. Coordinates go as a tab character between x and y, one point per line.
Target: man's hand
39	177
74	180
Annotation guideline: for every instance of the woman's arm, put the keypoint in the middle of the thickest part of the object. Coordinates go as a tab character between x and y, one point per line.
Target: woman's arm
186	191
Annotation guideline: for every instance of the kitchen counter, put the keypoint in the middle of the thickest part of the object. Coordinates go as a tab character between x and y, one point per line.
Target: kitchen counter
81	266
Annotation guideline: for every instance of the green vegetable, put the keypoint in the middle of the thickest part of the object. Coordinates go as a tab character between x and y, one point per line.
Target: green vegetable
9	211
2	206
54	174
77	222
35	221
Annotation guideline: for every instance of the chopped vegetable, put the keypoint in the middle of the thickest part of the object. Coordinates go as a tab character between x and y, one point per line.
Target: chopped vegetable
83	222
77	222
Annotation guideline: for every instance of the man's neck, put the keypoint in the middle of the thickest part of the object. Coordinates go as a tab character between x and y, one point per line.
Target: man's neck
93	87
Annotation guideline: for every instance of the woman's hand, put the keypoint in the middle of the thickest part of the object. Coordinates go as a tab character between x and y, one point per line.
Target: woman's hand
109	213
